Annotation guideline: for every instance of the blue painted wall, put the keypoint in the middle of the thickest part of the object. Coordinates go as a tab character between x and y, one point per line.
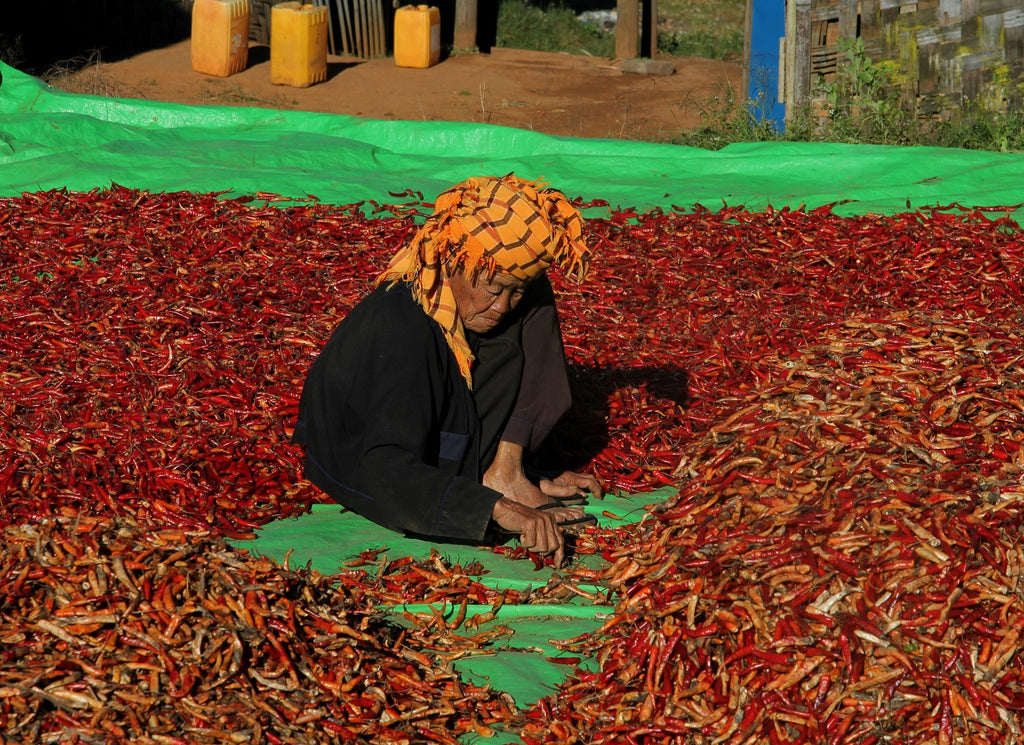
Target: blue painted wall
767	27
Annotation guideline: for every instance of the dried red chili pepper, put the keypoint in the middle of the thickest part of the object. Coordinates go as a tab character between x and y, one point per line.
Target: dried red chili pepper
864	368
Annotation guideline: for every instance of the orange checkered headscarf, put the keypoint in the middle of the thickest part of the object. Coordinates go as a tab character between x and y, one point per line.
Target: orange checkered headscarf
483	226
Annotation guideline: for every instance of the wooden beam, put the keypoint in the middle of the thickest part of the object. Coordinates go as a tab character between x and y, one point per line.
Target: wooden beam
748	26
465	24
848	20
787	53
627	27
802	53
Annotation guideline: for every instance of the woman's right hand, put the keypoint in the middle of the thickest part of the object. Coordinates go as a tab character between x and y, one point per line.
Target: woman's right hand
538	530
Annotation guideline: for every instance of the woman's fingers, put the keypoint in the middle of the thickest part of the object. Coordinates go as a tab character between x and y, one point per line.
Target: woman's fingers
538	530
584	481
570	483
555	489
562	514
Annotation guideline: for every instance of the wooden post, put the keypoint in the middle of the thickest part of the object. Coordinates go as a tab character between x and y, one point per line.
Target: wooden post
627	27
802	54
847	20
787	52
797	57
465	24
649	30
748	26
848	31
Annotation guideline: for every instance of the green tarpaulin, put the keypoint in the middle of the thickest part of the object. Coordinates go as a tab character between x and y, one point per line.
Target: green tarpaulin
55	140
523	664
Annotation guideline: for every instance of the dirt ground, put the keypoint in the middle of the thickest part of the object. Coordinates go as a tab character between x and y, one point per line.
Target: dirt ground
560	94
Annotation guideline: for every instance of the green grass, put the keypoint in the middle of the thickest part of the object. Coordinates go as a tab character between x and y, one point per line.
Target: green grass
712	29
724	44
701	28
549	28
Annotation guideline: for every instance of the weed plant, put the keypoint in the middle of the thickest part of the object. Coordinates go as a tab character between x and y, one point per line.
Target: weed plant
12	52
977	128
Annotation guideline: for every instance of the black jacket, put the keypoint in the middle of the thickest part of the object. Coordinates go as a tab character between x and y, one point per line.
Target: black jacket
391	430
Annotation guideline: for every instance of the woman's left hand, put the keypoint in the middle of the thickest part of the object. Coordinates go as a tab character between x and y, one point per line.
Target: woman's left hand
570	484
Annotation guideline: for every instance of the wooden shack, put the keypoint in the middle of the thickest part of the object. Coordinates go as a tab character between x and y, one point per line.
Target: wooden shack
945	55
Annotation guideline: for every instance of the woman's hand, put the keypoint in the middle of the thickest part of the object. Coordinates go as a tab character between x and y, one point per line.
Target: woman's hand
506	476
570	484
538	531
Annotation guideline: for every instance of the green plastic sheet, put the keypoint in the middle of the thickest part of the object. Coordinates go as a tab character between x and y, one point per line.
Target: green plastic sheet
328	536
52	140
524	664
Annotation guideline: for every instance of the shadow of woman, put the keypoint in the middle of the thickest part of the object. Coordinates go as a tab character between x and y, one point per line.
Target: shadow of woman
585	430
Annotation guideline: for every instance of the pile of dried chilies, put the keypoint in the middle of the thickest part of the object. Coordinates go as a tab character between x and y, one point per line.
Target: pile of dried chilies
843	563
837	400
116	634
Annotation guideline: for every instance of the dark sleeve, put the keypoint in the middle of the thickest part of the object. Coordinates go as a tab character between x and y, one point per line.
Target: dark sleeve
372	412
544	394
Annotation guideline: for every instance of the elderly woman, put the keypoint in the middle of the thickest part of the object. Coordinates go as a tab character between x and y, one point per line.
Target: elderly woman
419	409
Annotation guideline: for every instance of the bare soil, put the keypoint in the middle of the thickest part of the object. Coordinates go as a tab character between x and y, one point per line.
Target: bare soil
559	94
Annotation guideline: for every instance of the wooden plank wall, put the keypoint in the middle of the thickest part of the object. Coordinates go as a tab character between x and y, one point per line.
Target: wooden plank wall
944	53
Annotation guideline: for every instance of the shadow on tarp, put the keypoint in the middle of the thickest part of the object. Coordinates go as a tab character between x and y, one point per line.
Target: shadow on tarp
54	140
583	432
517	664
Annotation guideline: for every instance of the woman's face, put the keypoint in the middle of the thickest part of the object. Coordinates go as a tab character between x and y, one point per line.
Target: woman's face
482	303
